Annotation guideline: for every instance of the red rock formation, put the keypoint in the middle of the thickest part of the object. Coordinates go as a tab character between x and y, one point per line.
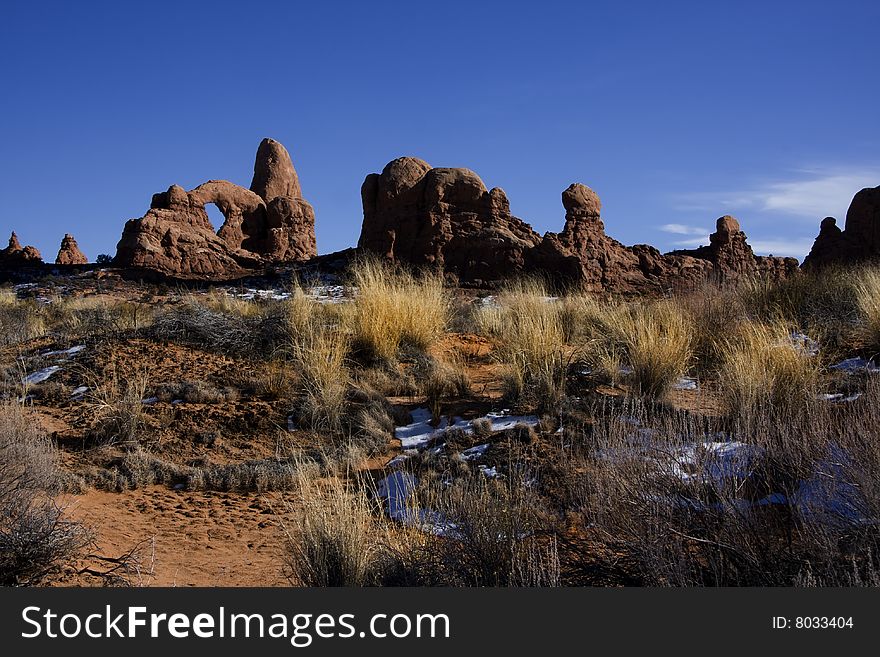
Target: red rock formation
69	253
270	223
732	257
14	255
859	241
446	218
443	218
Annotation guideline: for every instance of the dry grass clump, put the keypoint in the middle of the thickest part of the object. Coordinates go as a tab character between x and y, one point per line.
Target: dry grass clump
318	354
34	535
653	339
20	321
763	366
333	538
394	309
196	392
444	380
822	303
867	291
117	408
530	331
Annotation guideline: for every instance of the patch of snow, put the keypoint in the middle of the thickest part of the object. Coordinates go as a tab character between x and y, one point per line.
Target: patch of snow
79	392
804	343
66	352
852	365
474	452
686	383
492	472
40	375
838	397
420	432
291	424
149	400
395	490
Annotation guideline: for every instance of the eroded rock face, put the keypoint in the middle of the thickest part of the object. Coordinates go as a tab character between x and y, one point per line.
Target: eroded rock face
584	255
14	255
69	253
268	224
732	258
859	241
444	218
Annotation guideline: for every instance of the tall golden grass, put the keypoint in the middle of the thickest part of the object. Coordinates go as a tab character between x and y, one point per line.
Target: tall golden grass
762	366
393	308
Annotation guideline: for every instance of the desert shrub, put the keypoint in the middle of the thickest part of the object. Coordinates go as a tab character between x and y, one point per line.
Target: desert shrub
395	309
494	533
653	339
763	366
190	323
78	317
783	497
34	534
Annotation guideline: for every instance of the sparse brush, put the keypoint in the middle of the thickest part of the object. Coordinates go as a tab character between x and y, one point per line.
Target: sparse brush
654	339
34	534
867	291
715	313
763	366
395	309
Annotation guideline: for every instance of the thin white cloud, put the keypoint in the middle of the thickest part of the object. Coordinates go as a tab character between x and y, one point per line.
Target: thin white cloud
795	248
693	242
812	194
682	229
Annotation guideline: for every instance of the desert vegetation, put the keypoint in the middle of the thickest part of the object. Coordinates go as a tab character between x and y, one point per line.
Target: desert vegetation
399	431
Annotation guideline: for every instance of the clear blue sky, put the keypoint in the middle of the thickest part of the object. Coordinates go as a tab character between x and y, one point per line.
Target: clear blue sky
674	112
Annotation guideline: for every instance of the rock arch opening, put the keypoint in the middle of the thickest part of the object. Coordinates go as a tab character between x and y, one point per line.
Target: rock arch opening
215	216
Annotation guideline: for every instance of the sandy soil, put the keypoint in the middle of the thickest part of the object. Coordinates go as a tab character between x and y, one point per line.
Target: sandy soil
201	539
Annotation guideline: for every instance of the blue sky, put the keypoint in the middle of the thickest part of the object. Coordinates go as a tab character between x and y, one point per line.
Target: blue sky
674	112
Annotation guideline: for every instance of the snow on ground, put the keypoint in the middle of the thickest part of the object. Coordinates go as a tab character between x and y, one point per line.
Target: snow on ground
686	383
852	365
804	343
395	490
65	352
40	375
420	432
79	392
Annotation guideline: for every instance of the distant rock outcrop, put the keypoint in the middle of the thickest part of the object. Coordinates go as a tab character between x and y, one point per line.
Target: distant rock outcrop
446	218
268	224
69	253
583	254
859	241
732	257
14	255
